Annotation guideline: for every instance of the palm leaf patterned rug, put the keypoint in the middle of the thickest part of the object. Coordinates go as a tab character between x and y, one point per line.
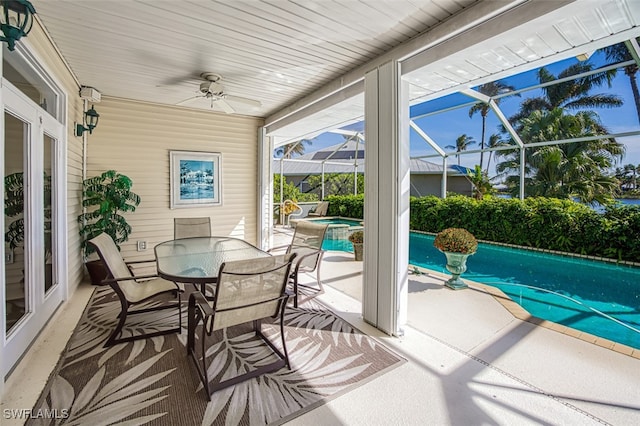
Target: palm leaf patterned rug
152	381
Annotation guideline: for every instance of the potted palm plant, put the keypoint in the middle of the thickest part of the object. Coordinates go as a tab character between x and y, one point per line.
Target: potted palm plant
357	239
457	244
107	196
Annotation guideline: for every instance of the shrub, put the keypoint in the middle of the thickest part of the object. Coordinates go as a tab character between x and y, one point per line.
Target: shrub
346	206
539	222
456	240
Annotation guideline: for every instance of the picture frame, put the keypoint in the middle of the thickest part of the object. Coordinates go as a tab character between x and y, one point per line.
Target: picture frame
196	179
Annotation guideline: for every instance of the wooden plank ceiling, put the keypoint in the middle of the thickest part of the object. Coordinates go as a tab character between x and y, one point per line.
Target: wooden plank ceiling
270	51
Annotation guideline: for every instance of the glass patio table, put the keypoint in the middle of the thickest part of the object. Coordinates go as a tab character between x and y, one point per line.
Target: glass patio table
198	260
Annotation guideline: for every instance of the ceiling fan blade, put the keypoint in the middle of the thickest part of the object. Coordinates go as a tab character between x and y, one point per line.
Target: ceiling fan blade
225	106
245	101
184	101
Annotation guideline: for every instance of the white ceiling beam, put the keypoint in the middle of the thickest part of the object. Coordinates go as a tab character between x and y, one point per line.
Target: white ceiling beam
491	26
344	132
347	93
537	144
593	46
497	111
634	49
427	139
505	123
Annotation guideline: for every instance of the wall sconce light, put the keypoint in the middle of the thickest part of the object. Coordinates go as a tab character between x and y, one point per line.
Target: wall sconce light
90	120
16	19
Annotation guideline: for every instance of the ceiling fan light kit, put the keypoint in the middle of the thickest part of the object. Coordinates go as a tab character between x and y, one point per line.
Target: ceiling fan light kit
213	90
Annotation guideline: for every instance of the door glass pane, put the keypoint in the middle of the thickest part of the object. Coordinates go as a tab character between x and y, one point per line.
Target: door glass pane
49	276
21	75
15	136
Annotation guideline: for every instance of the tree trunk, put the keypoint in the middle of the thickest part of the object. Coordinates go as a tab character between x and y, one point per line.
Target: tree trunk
634	90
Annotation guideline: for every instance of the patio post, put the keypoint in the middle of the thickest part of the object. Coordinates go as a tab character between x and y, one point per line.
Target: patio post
443	189
322	194
386	204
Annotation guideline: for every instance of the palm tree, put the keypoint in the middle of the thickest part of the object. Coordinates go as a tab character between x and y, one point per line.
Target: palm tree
621	175
289	149
571	170
620	53
492	89
494	142
462	143
630	173
571	94
481	183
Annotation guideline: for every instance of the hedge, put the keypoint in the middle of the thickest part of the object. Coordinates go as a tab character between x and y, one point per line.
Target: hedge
544	223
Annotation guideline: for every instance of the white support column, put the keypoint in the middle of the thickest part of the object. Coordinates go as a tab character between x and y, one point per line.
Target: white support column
322	195
265	190
386	210
443	189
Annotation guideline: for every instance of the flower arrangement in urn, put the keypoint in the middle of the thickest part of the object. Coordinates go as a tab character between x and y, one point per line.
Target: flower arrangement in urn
357	237
457	244
456	240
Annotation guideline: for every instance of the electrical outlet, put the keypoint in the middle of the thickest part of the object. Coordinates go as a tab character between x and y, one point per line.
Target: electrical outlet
142	245
8	256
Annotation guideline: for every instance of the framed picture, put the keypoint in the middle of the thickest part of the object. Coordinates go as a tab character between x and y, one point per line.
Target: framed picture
195	179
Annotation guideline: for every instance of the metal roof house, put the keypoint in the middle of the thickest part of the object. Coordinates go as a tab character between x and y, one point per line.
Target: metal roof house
426	177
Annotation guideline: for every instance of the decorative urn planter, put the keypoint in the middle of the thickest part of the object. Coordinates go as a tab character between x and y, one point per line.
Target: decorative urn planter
357	240
456	264
457	244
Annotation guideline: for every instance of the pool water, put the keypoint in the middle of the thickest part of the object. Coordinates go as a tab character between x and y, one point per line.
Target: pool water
336	237
596	297
340	221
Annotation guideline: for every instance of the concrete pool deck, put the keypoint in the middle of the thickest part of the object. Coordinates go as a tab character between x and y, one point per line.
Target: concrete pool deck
471	361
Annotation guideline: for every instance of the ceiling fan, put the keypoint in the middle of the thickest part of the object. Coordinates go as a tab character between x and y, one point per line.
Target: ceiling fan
212	89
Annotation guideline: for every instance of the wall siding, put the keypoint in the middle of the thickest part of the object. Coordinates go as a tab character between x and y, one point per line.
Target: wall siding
134	138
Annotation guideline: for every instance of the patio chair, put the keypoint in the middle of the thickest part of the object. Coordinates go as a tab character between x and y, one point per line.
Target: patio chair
246	291
188	227
133	290
307	244
320	210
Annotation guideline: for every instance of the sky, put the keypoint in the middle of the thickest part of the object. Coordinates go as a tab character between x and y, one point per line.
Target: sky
444	128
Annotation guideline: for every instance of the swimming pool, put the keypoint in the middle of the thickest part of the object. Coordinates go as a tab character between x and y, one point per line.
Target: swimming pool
599	298
338	232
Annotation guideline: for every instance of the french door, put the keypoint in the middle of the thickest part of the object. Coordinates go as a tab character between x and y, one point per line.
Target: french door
33	173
